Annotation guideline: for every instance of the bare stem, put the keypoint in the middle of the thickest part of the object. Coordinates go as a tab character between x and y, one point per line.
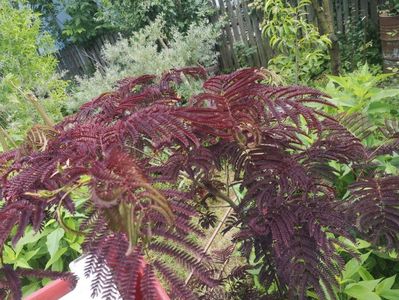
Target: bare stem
40	109
8	137
3	141
211	240
37	105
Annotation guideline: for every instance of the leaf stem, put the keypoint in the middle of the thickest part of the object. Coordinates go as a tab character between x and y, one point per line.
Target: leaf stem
36	104
8	137
40	109
3	141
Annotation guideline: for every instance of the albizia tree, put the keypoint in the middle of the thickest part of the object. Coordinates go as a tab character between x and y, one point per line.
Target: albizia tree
133	145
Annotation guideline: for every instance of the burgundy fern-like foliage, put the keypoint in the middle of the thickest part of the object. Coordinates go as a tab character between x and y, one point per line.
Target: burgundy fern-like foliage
133	147
376	201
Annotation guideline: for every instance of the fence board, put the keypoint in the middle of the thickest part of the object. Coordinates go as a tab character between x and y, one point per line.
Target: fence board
364	5
229	41
338	14
253	59
233	21
345	8
355	9
373	12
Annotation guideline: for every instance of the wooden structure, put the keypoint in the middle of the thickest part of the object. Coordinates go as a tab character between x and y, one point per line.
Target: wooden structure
78	60
243	27
240	37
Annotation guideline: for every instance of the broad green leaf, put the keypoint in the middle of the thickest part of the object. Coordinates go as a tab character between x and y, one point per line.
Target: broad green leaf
360	292
378	107
30	237
22	263
56	257
364	274
385	93
351	267
361	244
53	241
57	266
343	100
390	294
386	284
29	254
76	246
364	257
8	254
367	284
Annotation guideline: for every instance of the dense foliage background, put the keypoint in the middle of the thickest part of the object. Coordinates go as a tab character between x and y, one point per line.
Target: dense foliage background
357	260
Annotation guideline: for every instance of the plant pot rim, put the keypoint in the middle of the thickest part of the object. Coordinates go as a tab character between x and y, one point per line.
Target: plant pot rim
384	14
52	291
59	288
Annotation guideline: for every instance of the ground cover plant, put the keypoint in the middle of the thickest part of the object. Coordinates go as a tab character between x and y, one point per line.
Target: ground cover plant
132	147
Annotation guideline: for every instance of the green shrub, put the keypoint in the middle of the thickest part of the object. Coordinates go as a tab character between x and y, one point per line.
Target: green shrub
361	91
130	16
141	54
26	64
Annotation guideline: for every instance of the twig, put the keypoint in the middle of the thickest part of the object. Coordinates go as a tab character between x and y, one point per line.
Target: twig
226	262
211	240
40	109
8	137
3	141
217	229
36	104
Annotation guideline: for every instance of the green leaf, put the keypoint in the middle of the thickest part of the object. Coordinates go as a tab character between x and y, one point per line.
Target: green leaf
22	263
386	284
364	274
360	292
369	285
76	246
30	237
353	266
53	241
30	254
57	266
9	254
361	244
390	294
55	257
378	107
385	93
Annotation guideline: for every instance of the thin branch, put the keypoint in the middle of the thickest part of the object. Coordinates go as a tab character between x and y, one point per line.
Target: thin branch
211	240
8	137
36	104
3	141
40	109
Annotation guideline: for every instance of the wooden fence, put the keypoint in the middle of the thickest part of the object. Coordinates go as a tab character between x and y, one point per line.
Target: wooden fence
241	38
78	60
242	28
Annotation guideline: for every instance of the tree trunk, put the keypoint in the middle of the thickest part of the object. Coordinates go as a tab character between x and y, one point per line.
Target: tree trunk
325	21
